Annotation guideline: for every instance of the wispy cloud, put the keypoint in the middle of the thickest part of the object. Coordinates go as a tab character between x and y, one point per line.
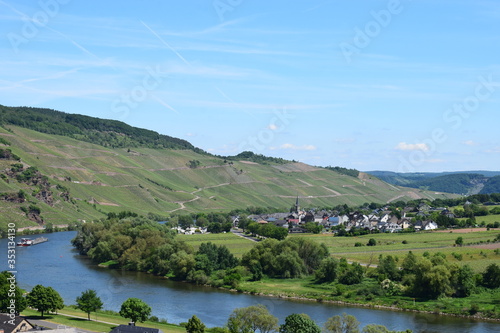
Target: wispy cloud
412	146
470	143
291	146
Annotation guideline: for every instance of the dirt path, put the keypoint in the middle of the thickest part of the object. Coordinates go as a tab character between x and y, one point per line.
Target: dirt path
329	189
182	203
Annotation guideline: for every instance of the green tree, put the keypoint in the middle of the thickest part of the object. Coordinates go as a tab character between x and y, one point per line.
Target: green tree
251	319
201	221
89	302
6	279
491	276
465	282
299	323
372	328
185	221
182	263
328	271
195	325
352	275
342	324
371	242
459	241
44	299
408	264
387	266
135	309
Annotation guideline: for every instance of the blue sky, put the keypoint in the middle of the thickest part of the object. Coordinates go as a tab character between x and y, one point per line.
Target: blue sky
372	85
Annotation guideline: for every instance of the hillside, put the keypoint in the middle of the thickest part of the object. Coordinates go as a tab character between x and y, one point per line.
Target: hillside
469	182
492	186
72	179
104	132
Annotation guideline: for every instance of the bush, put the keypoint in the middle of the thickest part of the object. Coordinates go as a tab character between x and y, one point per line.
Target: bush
372	242
474	308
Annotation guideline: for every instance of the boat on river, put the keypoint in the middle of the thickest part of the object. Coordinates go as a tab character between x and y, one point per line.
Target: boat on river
29	241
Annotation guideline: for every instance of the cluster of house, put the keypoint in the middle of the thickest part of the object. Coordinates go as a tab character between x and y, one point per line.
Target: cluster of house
381	219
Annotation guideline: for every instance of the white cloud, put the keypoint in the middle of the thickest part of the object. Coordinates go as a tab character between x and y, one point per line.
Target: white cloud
495	150
470	143
272	127
291	146
412	146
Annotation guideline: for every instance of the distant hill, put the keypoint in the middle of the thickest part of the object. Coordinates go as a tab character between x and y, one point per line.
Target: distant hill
492	186
469	182
56	168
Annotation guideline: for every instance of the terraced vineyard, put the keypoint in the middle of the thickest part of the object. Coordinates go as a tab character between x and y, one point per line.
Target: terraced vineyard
162	181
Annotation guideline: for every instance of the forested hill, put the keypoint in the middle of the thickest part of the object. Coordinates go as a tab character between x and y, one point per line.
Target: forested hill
104	132
471	182
492	186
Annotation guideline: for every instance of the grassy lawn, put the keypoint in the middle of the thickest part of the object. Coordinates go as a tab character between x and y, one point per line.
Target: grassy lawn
237	245
93	325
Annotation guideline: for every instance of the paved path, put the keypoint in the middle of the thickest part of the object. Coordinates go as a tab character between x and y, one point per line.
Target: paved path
241	234
51	325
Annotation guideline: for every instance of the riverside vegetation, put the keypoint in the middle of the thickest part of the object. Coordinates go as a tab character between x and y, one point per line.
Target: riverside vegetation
297	266
253	318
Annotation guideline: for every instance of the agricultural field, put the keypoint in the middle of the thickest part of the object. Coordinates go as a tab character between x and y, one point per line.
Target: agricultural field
478	250
473	252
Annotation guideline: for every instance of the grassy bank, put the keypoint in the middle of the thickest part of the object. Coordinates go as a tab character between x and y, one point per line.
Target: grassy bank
482	305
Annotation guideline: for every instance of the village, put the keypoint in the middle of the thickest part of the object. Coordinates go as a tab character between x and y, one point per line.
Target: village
384	219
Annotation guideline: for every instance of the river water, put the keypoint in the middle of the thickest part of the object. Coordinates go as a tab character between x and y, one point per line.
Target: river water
56	264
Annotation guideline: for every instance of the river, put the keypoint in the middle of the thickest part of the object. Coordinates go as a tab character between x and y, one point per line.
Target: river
57	264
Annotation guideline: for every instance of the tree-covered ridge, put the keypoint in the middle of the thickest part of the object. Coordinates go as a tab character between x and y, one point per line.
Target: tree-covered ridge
468	183
492	186
344	171
455	183
256	158
104	132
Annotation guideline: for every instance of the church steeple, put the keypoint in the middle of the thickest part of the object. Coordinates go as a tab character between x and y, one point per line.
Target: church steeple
297	206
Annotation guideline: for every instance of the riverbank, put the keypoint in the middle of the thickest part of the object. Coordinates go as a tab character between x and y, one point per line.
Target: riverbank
481	306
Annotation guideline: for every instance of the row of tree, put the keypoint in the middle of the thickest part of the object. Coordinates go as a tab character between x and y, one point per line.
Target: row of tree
242	320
